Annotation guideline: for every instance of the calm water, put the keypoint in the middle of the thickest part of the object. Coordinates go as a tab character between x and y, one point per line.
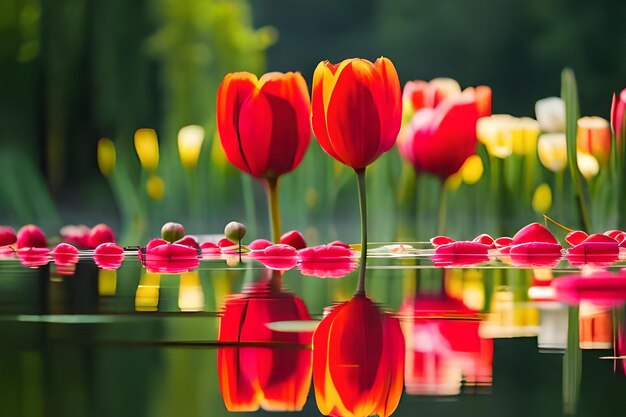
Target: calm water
131	343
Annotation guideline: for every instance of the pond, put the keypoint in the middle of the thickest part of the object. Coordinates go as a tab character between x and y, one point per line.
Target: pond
486	339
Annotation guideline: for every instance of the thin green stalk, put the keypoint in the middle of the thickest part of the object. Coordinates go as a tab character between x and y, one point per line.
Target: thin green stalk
443	207
274	210
360	176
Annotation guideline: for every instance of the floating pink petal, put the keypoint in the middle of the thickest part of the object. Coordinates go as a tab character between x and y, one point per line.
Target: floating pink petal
33	257
460	254
77	235
535	254
65	254
108	256
7	236
532	233
259	244
293	238
596	250
601	288
279	257
339	243
575	237
441	240
209	248
326	261
503	242
31	236
101	233
485	239
618	235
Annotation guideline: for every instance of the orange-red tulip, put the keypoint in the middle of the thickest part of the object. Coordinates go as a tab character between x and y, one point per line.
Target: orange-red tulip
356	109
439	140
264	123
358	360
275	378
594	137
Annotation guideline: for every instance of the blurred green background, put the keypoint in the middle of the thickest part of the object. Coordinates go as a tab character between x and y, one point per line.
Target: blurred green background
74	71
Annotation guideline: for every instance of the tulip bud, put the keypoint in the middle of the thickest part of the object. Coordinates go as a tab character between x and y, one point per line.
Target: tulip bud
7	236
594	137
147	147
106	156
190	140
31	236
618	115
172	231
552	149
587	165
550	114
155	187
542	199
235	231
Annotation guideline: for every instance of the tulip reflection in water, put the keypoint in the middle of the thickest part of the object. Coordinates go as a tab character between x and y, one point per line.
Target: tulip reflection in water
444	349
263	368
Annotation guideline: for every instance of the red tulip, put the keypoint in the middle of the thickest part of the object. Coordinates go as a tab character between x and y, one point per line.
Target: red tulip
31	236
358	360
7	236
444	349
273	377
101	233
356	109
439	140
108	256
618	115
264	123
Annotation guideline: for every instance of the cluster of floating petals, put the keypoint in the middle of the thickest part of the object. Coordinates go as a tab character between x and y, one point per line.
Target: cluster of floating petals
533	245
334	260
85	237
162	256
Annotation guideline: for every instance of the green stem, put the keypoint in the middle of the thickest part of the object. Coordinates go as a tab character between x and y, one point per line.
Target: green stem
360	176
443	207
274	210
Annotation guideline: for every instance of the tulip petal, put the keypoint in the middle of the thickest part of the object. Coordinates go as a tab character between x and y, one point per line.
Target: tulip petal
232	93
390	108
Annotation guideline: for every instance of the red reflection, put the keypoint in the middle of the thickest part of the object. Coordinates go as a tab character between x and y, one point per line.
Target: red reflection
33	257
601	288
165	257
108	256
281	257
358	360
327	261
444	349
275	378
460	254
535	254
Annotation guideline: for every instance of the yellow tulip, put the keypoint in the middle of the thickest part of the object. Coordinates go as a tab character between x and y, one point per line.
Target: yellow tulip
453	182
493	132
587	165
155	187
190	139
525	133
106	156
472	170
552	150
147	147
542	199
